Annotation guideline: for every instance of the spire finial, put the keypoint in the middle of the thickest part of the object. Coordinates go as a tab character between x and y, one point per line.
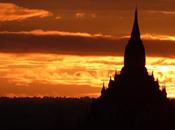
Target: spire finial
135	35
136	4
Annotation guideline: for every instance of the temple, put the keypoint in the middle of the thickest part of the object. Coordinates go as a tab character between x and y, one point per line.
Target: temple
134	82
133	99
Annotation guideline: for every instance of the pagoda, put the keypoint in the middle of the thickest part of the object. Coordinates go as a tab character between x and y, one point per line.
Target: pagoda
133	99
134	82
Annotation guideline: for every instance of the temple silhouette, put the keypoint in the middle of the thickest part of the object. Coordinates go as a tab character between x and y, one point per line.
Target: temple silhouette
133	98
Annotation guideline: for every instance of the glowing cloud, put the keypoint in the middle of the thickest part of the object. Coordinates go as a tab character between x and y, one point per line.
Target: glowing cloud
80	15
13	12
150	36
162	12
55	75
40	32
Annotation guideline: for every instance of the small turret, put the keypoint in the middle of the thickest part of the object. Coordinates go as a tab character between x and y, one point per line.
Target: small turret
103	89
164	93
110	82
152	74
116	75
157	82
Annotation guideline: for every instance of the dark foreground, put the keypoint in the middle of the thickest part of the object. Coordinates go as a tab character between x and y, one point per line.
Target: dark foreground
43	113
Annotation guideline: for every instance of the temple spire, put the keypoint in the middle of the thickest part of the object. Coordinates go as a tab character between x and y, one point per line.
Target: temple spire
134	50
135	35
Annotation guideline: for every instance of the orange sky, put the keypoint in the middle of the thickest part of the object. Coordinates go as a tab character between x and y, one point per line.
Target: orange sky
68	48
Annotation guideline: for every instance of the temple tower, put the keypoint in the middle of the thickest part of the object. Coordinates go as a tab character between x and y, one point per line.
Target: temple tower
134	56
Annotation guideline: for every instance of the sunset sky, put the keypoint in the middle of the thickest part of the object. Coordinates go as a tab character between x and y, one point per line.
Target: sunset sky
70	47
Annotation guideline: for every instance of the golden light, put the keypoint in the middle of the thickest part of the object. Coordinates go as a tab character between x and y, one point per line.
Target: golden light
23	70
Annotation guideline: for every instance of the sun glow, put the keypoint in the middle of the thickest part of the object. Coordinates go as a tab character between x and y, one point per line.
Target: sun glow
27	71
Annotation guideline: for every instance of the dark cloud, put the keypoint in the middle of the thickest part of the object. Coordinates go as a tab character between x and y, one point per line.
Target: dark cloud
78	45
111	16
160	48
95	4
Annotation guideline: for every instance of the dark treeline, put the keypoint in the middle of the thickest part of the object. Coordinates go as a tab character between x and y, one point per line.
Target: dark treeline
43	113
